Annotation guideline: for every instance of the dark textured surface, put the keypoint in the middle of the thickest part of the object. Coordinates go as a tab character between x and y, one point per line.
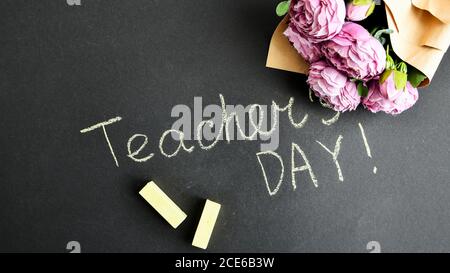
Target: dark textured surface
65	68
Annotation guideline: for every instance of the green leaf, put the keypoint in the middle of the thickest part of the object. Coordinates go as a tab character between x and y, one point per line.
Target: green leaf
362	89
362	2
415	77
385	75
283	7
370	10
402	67
390	64
400	80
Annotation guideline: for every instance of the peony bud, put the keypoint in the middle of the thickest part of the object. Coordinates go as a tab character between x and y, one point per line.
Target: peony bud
358	10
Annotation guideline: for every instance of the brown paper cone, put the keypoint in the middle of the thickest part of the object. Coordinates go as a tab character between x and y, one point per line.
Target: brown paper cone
282	55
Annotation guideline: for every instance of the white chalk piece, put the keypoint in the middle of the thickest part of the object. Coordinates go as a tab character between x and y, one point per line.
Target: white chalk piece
206	224
163	204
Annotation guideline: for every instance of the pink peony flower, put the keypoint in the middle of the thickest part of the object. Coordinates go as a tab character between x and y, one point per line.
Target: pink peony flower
359	12
356	52
317	20
309	51
333	87
386	98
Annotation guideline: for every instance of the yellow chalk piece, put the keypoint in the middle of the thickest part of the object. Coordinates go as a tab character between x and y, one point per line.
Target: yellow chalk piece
206	224
163	204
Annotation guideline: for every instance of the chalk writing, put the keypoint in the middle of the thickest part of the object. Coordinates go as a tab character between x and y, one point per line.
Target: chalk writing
277	187
302	168
133	155
180	143
335	155
102	125
366	144
223	123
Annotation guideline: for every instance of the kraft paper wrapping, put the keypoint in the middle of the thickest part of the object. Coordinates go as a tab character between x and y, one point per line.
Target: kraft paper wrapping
282	55
421	37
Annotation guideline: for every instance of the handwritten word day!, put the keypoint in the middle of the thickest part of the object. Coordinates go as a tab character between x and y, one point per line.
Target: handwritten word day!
224	125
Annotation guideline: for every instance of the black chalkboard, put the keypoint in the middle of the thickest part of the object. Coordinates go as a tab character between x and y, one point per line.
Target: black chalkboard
67	67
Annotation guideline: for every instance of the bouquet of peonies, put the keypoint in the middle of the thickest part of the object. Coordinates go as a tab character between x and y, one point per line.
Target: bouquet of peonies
349	59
